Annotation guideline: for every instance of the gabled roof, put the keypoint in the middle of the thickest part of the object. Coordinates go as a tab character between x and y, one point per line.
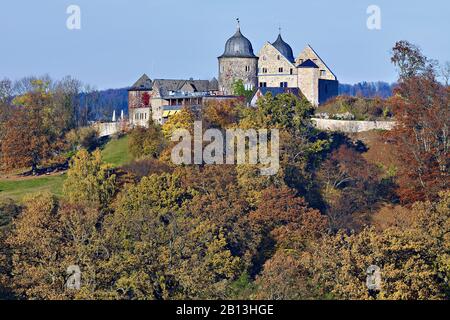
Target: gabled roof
320	59
308	64
166	85
143	84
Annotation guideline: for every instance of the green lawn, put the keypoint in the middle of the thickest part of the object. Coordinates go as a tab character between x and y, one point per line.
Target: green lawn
115	153
17	189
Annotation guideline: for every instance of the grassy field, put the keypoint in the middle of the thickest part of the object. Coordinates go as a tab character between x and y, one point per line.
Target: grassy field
115	152
16	189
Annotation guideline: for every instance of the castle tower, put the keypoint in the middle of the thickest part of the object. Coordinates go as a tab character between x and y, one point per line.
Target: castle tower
238	62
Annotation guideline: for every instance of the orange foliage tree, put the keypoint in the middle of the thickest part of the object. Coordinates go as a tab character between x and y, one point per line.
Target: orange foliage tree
421	107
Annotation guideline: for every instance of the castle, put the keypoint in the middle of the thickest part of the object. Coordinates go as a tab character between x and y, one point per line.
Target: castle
274	67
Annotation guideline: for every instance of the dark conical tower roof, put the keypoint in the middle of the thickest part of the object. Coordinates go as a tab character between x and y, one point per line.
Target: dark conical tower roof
284	48
238	46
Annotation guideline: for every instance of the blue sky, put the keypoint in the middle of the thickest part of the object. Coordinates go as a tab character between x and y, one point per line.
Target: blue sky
121	39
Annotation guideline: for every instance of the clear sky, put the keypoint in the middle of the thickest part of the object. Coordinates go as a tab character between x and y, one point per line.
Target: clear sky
121	39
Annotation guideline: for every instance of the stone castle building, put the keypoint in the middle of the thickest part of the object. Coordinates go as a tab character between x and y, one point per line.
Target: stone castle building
276	67
160	98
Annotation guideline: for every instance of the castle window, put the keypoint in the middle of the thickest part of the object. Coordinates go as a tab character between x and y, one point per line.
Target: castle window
264	58
264	70
280	70
278	57
301	61
283	84
323	73
247	68
292	71
263	84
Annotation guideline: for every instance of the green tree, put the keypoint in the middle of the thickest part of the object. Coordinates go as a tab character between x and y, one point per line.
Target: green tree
240	91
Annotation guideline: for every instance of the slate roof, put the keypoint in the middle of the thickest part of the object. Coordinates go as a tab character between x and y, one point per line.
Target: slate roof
165	85
284	49
238	46
143	84
308	64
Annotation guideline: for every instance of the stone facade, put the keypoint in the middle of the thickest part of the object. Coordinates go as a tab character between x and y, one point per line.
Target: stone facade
309	54
158	99
274	69
237	68
309	83
308	73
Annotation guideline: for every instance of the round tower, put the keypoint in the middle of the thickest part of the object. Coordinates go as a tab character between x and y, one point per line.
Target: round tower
238	62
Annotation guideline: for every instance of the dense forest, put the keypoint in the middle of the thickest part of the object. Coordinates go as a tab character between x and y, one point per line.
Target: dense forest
367	89
150	229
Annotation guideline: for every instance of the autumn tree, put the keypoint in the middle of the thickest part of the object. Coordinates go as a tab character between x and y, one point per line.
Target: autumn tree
413	260
89	180
146	142
47	238
30	136
159	252
302	147
8	211
66	104
221	114
181	120
421	107
280	216
349	185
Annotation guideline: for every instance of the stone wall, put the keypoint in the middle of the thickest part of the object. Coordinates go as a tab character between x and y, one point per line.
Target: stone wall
105	129
308	82
139	116
231	69
352	126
